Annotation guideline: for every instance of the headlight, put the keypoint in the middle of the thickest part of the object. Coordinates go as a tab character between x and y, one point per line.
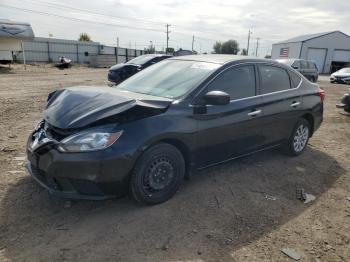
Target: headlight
89	141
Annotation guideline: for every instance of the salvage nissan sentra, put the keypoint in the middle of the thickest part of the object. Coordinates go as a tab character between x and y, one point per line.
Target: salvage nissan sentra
187	113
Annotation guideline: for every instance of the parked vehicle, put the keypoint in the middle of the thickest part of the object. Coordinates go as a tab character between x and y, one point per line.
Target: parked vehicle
12	33
305	67
64	63
341	76
345	103
182	114
119	72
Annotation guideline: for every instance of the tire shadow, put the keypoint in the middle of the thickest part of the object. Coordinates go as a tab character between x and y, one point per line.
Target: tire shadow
218	211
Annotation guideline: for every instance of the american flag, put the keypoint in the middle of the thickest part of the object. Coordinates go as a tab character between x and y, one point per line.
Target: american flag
284	52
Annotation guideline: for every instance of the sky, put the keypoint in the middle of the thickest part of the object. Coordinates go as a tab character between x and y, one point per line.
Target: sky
137	22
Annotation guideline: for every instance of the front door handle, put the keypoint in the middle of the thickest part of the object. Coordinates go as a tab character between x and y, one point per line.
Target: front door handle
254	113
294	104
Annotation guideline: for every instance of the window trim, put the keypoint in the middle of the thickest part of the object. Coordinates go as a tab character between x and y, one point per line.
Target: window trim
257	80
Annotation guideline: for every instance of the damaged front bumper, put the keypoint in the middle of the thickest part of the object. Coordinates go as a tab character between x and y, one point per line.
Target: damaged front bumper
61	187
93	175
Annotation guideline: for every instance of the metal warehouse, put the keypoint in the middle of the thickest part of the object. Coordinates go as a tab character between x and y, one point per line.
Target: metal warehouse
330	50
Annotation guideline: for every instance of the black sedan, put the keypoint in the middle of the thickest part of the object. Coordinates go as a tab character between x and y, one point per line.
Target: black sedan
119	72
154	129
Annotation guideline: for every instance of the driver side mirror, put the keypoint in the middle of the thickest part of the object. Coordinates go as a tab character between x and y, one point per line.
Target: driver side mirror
216	98
295	67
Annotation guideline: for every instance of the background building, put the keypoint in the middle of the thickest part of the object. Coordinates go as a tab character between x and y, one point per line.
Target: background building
330	51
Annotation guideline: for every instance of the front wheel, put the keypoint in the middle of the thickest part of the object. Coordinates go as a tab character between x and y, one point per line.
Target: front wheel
299	138
157	175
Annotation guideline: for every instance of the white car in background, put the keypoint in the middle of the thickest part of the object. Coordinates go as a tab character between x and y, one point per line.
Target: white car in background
341	76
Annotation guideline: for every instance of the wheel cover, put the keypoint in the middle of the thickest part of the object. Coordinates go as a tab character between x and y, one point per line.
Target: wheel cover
159	175
300	138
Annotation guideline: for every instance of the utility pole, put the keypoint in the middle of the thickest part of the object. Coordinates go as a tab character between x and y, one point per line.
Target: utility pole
257	46
249	33
268	50
192	42
167	36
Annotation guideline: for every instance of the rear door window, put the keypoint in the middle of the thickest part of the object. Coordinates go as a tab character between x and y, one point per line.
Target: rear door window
273	79
238	82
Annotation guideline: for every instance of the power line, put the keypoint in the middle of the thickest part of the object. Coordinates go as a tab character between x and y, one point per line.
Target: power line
89	21
93	12
118	17
78	19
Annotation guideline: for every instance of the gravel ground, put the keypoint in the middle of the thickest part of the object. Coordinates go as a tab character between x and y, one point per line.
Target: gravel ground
245	210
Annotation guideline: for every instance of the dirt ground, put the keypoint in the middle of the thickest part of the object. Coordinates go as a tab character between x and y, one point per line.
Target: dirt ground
245	210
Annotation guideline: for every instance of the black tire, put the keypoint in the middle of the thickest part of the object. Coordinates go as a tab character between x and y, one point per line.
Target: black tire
157	174
292	147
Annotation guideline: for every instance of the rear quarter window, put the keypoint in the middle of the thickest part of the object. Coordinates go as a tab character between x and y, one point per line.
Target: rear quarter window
295	79
273	79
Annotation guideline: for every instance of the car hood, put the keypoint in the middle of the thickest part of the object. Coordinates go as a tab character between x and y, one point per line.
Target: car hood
339	74
78	107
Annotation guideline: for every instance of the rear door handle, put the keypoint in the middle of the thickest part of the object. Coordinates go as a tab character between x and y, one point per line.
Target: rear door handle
294	104
254	113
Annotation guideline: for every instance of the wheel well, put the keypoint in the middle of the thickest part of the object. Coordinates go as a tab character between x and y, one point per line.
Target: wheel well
310	119
184	151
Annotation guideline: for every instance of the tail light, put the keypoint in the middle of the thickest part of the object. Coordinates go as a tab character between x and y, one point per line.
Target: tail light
322	94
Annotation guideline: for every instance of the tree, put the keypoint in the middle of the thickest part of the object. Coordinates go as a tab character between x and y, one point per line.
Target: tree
244	52
217	47
84	37
169	50
151	49
228	47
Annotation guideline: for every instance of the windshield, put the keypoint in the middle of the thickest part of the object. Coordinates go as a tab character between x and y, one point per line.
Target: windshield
170	78
140	60
344	70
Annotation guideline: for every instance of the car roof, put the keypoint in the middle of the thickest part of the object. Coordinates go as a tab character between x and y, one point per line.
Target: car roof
220	59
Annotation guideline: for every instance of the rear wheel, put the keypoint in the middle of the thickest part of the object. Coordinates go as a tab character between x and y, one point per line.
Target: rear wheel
299	138
157	175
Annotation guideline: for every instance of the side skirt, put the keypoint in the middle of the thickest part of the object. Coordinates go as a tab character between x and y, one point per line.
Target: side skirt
247	154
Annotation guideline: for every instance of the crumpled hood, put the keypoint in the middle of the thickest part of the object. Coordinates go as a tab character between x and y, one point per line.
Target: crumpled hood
78	107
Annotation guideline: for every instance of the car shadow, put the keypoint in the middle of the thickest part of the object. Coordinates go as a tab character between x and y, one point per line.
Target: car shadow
218	211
